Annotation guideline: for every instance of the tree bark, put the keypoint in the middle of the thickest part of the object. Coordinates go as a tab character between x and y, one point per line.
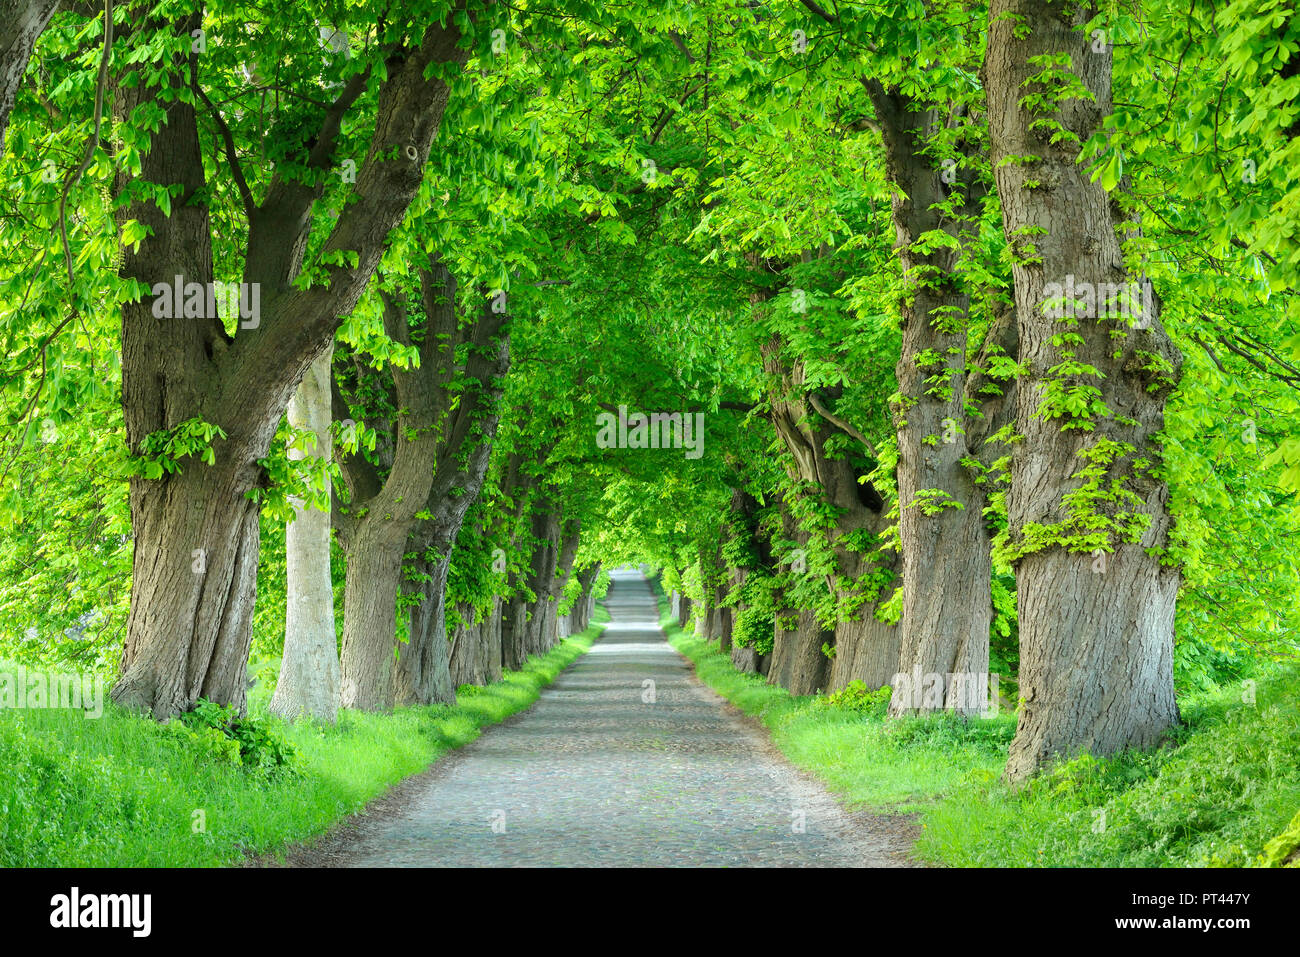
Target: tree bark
467	644
799	665
514	606
1096	630
745	659
540	615
684	611
724	629
568	553
21	24
586	604
195	533
514	633
423	672
492	642
374	564
309	672
476	648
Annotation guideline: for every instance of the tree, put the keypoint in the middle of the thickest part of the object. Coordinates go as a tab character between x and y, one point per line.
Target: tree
1088	506
429	428
186	383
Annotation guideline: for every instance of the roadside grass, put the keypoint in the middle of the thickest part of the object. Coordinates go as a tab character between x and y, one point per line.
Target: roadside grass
1226	785
122	790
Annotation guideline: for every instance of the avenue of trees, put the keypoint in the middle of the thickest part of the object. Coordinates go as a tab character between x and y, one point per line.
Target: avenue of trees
982	319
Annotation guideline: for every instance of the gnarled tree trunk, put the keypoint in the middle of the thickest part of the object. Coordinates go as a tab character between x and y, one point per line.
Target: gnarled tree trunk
945	549
539	622
1096	630
196	542
586	605
370	615
798	662
720	628
865	648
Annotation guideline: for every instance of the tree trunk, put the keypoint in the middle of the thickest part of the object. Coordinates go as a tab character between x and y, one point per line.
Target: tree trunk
866	649
744	659
309	672
568	552
198	566
194	570
467	650
798	663
585	605
21	24
492	642
540	619
423	671
946	566
721	628
514	633
1096	627
370	617
476	652
519	482
703	619
375	531
945	550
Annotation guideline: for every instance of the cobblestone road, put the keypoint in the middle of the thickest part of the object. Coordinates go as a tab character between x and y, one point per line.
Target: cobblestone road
603	772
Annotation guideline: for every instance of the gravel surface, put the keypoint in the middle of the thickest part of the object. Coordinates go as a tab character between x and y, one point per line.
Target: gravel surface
626	760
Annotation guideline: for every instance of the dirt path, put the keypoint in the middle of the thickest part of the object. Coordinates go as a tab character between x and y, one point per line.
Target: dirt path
626	760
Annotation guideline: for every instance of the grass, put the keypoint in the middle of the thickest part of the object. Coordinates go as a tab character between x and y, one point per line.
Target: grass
124	791
1227	785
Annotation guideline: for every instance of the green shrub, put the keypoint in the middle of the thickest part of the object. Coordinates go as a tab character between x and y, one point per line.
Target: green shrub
856	697
250	742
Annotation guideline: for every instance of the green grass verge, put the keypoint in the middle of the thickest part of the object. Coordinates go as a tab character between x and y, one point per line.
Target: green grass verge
1226	788
122	790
